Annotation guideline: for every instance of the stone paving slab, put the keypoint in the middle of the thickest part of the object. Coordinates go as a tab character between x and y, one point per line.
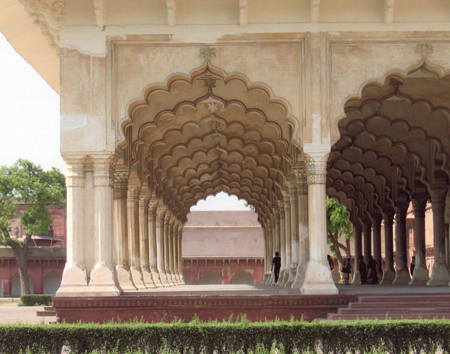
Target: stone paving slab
11	313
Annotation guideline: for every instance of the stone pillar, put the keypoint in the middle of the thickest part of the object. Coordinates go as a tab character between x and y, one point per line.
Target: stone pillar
318	279
288	243
166	234
120	188
376	230
160	215
389	272
303	231
134	187
180	253
171	237
420	275
74	280
176	253
295	244
276	230
270	252
282	242
367	235
144	244
103	280
402	272
153	246
439	274
357	230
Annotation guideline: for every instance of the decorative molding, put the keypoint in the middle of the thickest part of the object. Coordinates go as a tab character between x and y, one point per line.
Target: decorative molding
243	12
50	18
171	12
388	11
207	53
317	179
100	9
424	49
75	181
102	181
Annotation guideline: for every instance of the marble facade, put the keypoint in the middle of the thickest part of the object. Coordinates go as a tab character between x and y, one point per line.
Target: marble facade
281	103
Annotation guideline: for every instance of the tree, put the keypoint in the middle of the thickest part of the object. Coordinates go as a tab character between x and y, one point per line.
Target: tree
27	183
338	226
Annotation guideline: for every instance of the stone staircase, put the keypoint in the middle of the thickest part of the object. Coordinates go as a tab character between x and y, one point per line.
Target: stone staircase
48	311
396	307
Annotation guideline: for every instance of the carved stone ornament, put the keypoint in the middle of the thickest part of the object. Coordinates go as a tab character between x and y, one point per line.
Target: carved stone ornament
101	181
75	181
207	53
49	16
317	179
424	49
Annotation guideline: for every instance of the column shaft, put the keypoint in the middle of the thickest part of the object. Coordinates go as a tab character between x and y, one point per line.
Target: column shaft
357	230
389	272
420	275
402	272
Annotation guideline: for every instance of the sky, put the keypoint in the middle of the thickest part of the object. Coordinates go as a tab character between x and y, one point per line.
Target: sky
29	116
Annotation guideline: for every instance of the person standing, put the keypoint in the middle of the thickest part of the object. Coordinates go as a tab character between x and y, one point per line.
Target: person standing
276	265
363	270
330	262
346	271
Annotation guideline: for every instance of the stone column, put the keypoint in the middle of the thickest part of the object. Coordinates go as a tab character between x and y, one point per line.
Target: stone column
389	272
120	188
167	247
293	199
318	279
269	243
276	230
420	275
74	280
171	237
134	187
153	254
160	215
303	231
288	242
103	280
376	230
402	272
144	249
367	234
282	242
439	275
180	253
357	240
176	253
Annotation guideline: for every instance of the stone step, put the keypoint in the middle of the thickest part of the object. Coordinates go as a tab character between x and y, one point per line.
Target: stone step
405	298
48	311
407	311
389	305
361	316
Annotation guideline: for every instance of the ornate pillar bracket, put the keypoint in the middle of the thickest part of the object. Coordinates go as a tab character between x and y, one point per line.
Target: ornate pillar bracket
389	11
439	274
171	12
318	279
420	275
243	12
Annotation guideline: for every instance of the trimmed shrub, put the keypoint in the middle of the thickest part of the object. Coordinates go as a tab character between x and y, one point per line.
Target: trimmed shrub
399	337
35	300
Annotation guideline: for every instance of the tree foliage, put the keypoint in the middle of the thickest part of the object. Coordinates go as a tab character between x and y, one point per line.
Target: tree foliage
339	228
25	182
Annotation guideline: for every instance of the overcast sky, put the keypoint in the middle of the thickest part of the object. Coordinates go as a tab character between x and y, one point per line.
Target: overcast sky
29	116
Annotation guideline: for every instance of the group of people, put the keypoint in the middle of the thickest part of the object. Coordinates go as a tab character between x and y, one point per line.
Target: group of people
368	272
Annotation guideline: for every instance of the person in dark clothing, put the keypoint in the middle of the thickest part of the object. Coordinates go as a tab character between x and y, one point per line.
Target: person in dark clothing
330	261
276	265
346	271
372	277
362	270
413	264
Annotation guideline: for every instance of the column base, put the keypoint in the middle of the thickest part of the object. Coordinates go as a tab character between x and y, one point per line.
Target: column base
271	281
169	278
280	277
402	277
74	281
173	277
420	276
104	281
156	279
285	278
318	280
163	278
300	278
124	278
181	278
148	278
439	276
388	277
136	275
292	275
356	278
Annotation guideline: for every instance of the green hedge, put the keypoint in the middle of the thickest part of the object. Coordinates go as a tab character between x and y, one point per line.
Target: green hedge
224	337
35	300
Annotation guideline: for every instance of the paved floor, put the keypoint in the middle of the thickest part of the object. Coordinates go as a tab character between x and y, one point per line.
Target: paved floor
11	313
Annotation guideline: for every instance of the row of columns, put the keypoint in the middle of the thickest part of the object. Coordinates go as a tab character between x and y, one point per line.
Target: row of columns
297	229
118	237
370	230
